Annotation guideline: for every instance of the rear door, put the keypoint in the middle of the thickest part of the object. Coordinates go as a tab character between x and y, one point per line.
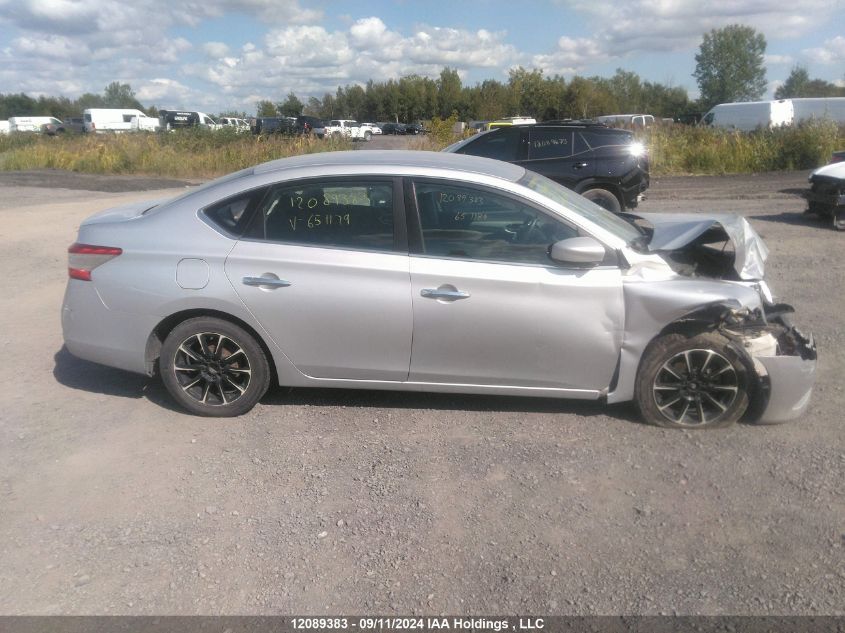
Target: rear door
561	154
324	269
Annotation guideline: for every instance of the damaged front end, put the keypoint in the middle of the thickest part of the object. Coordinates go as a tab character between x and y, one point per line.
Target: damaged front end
783	360
697	272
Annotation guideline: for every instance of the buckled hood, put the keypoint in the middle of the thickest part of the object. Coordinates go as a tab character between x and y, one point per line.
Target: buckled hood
674	231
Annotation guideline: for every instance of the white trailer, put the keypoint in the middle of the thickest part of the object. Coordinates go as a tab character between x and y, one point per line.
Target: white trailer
31	123
750	115
118	120
4	127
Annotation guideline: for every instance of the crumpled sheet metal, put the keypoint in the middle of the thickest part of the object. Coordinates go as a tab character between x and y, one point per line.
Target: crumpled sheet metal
675	230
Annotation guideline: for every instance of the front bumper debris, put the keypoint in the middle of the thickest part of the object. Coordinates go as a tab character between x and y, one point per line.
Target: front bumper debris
787	383
783	358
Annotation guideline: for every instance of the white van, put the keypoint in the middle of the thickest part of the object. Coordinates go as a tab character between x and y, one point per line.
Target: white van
118	120
627	120
832	108
750	115
4	127
31	123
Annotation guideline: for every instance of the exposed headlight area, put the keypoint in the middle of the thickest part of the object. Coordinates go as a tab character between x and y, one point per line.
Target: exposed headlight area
637	149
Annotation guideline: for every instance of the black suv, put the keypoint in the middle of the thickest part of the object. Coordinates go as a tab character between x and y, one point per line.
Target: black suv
601	163
274	125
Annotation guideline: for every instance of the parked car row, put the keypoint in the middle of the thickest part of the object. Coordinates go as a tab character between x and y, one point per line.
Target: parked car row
123	120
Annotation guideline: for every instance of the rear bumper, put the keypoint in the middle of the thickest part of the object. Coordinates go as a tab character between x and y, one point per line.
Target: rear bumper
95	333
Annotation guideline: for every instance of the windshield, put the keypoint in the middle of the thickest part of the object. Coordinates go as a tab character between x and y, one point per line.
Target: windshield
594	213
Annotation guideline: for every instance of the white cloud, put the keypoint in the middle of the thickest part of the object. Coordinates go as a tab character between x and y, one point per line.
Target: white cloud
312	60
215	49
671	25
830	52
778	60
571	56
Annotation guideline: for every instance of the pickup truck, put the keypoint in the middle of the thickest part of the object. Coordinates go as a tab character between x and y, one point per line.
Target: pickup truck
346	127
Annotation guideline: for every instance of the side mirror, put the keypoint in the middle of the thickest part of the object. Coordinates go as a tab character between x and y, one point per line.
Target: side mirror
578	250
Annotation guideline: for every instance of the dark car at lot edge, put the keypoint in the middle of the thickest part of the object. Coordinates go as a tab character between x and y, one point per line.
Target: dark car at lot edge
606	165
275	125
306	124
393	128
71	124
826	195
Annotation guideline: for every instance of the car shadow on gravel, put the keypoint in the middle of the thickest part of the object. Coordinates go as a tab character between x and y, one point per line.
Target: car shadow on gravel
76	373
792	218
444	402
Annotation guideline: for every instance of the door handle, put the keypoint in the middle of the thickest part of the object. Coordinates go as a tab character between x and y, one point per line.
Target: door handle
268	282
449	295
579	165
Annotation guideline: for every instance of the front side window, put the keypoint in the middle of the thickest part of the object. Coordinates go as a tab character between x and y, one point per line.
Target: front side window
346	214
502	144
465	222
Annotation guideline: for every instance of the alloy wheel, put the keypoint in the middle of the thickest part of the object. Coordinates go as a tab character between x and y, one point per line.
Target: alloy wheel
695	387
212	369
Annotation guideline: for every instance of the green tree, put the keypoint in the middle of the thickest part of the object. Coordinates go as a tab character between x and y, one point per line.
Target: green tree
448	92
118	95
799	84
291	106
265	108
729	65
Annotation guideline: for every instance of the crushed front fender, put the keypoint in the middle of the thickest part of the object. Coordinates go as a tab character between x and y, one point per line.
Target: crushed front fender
785	378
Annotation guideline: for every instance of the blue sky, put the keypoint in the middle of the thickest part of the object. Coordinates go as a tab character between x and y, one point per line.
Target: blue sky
216	55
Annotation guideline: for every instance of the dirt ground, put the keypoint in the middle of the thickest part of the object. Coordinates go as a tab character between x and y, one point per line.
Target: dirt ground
321	501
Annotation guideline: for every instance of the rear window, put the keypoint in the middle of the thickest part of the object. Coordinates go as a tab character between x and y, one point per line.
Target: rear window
599	139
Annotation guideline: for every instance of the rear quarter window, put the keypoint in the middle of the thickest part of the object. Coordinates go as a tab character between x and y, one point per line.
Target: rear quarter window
233	214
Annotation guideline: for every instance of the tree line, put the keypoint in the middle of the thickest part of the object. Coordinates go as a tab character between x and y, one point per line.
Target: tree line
729	67
115	95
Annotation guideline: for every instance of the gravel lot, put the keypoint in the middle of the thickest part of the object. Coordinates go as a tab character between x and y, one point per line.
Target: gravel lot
320	501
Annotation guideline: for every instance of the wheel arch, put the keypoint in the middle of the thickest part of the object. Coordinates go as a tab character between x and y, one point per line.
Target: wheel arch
166	325
594	183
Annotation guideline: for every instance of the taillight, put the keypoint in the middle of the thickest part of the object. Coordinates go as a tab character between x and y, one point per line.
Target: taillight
84	258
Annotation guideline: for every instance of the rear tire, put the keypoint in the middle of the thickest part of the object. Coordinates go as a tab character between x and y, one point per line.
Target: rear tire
214	368
693	382
604	199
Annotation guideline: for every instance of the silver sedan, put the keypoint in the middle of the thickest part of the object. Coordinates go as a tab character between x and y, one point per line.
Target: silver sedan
437	272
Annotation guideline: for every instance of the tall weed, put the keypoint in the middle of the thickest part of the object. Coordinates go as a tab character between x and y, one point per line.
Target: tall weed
181	154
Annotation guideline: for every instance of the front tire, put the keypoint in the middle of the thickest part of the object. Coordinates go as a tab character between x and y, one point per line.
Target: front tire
214	368
693	382
604	199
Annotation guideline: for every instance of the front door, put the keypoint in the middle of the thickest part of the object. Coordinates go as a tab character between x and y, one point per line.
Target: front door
490	307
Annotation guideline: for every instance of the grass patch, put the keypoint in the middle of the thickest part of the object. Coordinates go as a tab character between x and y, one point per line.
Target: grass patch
182	154
200	153
700	150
